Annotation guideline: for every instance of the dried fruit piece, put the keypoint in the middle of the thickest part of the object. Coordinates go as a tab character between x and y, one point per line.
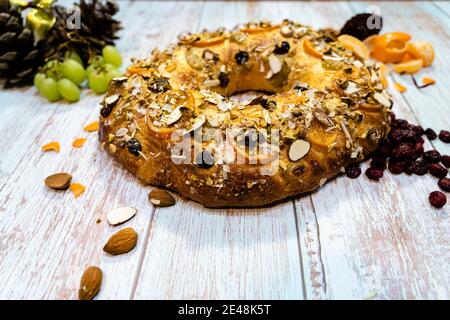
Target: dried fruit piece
374	173
390	47
121	242
410	67
241	57
445	160
353	171
421	50
428	81
120	215
161	198
430	134
444	184
79	142
438	170
444	136
52	146
432	156
399	87
77	189
309	49
299	149
355	45
90	283
437	199
358	25
91	127
282	48
58	181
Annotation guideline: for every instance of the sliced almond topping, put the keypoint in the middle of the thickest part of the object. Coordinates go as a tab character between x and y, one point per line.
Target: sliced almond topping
275	64
172	117
298	149
120	215
121	132
112	100
52	146
163	71
382	99
212	83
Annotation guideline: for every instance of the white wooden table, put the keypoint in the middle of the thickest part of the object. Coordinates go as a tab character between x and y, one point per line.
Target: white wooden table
353	239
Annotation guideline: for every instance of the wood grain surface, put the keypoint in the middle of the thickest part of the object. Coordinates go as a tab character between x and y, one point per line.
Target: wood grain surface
352	239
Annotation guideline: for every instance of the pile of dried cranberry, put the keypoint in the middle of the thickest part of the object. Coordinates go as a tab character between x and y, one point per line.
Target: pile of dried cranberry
403	152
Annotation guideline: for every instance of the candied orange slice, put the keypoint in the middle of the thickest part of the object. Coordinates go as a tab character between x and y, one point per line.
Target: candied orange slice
428	81
409	67
421	50
207	42
370	41
171	67
77	189
399	87
147	72
79	142
309	49
320	138
354	45
91	127
390	47
52	146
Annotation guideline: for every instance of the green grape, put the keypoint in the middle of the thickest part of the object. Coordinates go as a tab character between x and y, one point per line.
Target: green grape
38	78
69	90
112	56
74	56
49	89
91	68
73	71
109	67
98	82
53	69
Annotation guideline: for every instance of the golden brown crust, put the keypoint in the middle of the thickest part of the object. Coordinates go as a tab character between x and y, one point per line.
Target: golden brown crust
324	98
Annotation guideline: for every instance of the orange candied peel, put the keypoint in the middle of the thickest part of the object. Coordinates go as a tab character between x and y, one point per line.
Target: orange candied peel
354	45
207	42
79	142
399	87
309	49
421	50
91	127
389	47
77	189
428	81
410	67
52	146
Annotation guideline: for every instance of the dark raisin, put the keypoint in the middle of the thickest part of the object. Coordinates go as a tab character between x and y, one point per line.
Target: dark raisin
134	146
438	170
437	199
419	167
444	184
359	27
444	135
204	160
159	85
403	151
383	150
106	110
353	171
431	156
418	147
224	79
445	160
282	48
378	162
407	168
431	135
374	173
241	57
396	167
419	130
392	116
400	123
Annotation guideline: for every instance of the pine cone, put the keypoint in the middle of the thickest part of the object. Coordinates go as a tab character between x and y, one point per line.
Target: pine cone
19	57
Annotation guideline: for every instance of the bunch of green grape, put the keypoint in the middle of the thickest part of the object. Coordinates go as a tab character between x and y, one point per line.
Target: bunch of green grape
64	79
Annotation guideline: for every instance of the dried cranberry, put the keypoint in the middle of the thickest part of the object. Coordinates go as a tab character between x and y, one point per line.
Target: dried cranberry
374	173
408	164
445	160
403	151
400	123
418	147
241	57
392	116
353	171
419	167
444	135
431	135
399	135
431	156
224	79
444	184
383	150
396	167
418	130
282	48
437	199
438	170
378	162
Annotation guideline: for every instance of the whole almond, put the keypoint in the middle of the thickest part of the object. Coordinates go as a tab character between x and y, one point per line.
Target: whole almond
122	241
90	283
58	181
161	198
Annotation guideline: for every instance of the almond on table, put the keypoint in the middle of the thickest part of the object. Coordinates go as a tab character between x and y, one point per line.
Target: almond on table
90	283
52	146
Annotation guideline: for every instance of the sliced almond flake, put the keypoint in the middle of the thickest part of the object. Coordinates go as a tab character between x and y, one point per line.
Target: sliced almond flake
267	117
275	64
282	165
285	114
172	117
120	215
322	182
261	67
119	79
212	83
167	107
198	122
269	74
121	132
163	72
111	100
382	99
224	106
216	119
352	88
299	149
346	133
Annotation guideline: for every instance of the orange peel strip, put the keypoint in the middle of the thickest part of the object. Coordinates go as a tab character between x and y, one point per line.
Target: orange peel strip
52	146
92	127
77	189
428	81
258	30
354	45
309	49
79	142
399	87
409	67
207	43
